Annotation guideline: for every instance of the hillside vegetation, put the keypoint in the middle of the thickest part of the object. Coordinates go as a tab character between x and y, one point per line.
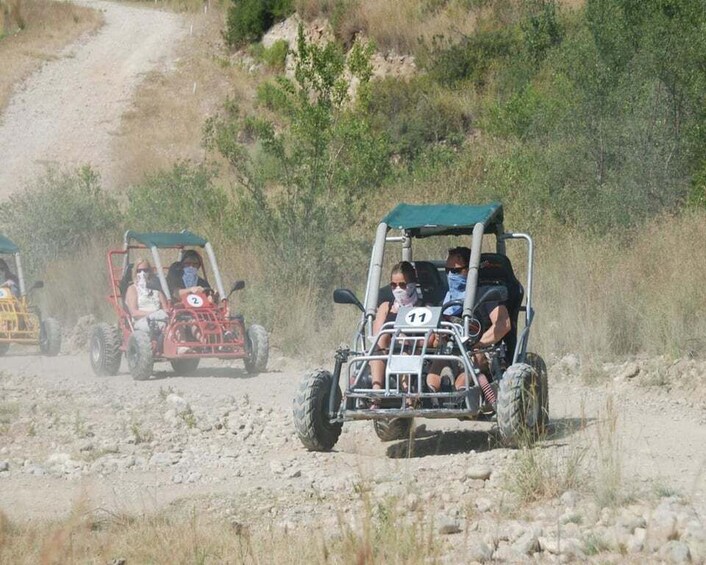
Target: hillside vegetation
584	119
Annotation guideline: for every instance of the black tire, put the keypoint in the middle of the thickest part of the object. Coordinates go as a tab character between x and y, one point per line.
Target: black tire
50	337
311	421
104	349
258	348
535	361
3	348
519	405
390	430
139	355
185	366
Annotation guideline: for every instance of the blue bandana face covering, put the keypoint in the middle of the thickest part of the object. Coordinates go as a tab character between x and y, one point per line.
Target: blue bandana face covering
190	277
457	291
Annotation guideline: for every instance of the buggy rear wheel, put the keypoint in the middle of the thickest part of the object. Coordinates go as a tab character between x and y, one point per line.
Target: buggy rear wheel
258	349
311	421
139	355
3	348
390	430
519	405
537	363
185	366
105	349
50	337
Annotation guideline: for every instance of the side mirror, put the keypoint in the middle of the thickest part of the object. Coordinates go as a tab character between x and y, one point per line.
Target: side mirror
37	284
494	294
345	296
237	285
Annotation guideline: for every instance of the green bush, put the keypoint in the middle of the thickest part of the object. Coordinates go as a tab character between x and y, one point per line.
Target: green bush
58	215
248	20
450	63
417	114
184	197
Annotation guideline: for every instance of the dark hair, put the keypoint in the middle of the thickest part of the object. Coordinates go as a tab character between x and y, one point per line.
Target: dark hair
406	269
192	254
464	253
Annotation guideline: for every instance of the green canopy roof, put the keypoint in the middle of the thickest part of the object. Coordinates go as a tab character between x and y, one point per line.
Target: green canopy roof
166	239
424	220
6	246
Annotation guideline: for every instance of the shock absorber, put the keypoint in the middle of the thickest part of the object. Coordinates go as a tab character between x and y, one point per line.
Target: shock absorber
488	391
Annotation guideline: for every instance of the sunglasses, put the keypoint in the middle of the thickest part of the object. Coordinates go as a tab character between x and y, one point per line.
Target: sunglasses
402	285
143	270
456	270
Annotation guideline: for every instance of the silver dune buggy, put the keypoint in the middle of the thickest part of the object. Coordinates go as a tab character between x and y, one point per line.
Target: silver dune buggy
518	377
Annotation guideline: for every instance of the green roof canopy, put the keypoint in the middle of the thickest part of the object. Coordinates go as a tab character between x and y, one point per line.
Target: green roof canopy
424	220
6	246
166	239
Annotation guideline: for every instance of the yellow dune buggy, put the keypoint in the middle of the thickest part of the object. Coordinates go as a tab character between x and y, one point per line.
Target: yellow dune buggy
20	321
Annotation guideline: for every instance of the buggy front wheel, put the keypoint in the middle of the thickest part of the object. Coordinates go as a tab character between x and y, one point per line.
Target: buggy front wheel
311	403
258	349
519	405
50	337
139	355
105	349
537	363
390	430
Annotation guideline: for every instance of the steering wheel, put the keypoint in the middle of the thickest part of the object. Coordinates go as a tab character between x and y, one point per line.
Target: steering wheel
445	305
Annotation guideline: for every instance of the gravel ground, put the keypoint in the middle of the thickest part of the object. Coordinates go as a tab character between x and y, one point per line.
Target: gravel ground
223	440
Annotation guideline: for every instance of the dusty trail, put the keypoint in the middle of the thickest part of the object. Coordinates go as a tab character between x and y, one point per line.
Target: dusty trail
237	439
70	110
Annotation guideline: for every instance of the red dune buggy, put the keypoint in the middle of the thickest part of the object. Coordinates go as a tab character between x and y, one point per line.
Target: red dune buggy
196	326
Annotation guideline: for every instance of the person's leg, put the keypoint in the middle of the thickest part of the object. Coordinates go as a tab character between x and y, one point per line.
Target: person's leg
377	367
434	375
481	361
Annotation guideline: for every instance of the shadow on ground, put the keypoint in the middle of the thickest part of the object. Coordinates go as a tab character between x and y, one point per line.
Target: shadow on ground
425	443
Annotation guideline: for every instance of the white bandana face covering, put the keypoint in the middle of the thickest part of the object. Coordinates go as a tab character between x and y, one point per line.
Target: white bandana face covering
405	296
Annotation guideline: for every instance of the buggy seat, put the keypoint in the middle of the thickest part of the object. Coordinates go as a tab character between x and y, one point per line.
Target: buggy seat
496	269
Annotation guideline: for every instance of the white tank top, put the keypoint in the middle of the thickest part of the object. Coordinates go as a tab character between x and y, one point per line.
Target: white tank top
148	300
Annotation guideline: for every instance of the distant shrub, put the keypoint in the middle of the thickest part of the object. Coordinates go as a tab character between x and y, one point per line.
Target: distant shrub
59	214
248	20
450	63
415	114
183	197
275	56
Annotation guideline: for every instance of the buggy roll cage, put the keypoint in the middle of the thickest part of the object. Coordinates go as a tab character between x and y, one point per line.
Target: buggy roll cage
421	221
170	240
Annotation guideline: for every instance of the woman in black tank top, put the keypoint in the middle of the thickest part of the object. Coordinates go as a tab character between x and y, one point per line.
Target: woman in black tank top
403	281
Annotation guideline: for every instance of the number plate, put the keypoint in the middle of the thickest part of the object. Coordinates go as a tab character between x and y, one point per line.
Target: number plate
194	300
418	317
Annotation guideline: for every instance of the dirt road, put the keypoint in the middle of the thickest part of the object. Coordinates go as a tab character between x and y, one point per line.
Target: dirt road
69	111
137	446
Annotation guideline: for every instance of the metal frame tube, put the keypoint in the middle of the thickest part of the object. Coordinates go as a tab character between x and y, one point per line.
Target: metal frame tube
216	270
160	272
20	274
472	280
374	272
407	248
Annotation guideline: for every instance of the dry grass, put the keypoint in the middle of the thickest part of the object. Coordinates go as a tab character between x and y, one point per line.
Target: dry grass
36	32
394	26
382	534
609	296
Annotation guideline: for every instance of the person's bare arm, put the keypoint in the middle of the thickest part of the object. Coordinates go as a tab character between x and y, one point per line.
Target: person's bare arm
131	302
163	301
191	290
499	327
